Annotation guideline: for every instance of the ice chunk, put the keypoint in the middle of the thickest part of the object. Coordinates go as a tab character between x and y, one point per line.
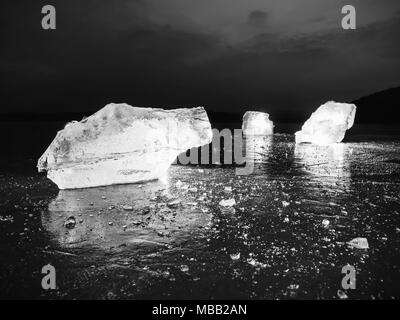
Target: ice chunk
227	203
328	124
325	223
123	144
341	294
257	123
359	243
235	256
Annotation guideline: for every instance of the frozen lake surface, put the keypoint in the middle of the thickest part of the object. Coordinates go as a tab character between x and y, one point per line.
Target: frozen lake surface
284	239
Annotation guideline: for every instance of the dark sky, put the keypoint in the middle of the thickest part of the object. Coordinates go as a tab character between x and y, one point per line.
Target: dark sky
275	55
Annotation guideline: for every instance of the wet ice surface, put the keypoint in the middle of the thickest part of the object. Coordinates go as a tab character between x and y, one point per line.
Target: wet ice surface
284	238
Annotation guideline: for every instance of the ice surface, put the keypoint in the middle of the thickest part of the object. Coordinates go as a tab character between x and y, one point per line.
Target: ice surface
257	123
123	144
328	124
132	254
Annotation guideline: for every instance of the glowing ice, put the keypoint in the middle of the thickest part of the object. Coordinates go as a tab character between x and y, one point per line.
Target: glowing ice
123	144
328	124
257	123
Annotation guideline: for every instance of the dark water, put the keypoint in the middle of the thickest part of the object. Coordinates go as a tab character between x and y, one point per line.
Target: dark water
172	239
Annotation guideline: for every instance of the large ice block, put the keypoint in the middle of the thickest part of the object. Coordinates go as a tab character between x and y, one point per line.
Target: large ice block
257	123
328	124
123	144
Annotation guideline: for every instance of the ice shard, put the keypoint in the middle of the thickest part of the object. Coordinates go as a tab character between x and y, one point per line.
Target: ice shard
328	124
122	144
257	124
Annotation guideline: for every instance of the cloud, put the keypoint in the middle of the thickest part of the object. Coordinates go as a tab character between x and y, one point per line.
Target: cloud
257	18
135	52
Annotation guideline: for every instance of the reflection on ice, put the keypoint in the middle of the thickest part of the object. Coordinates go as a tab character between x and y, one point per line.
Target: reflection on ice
325	162
122	215
258	148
